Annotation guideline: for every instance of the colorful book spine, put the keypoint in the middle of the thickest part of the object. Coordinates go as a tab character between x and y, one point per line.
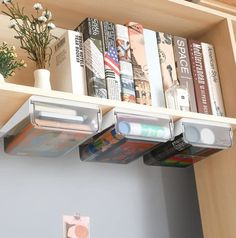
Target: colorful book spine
126	72
199	77
94	61
67	64
154	69
183	68
167	60
213	80
112	67
139	64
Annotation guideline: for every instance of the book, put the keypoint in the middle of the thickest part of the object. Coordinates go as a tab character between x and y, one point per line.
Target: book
126	72
139	64
94	61
167	61
183	68
199	77
112	67
67	66
154	69
213	79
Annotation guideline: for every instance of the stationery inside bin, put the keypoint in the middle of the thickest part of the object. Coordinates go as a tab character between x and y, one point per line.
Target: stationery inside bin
126	136
194	140
50	127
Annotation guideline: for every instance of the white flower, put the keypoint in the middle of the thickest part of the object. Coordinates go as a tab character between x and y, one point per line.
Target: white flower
6	1
51	26
38	6
12	24
42	19
47	14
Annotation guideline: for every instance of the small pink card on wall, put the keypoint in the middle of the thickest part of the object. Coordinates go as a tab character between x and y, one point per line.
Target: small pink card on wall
76	227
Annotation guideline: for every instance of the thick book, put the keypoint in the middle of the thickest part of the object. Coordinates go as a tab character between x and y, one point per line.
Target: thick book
199	77
139	64
154	69
94	61
67	64
126	71
167	60
183	68
213	79
112	66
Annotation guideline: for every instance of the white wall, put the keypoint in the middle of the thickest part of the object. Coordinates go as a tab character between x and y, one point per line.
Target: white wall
128	201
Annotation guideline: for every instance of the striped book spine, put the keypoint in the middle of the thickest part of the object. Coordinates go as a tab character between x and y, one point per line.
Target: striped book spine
112	66
126	72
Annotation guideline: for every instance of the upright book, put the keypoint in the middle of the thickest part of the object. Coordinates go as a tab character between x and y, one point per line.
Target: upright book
183	68
67	64
94	61
213	79
112	68
126	72
199	77
167	61
154	69
139	63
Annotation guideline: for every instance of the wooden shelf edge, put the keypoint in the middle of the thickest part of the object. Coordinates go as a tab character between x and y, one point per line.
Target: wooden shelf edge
20	94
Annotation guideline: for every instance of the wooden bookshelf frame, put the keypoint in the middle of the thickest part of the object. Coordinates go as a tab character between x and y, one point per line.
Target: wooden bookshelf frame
215	176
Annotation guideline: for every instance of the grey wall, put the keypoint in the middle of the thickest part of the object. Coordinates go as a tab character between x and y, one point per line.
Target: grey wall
129	201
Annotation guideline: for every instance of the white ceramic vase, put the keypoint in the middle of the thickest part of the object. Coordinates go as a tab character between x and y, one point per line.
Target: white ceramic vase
2	80
42	79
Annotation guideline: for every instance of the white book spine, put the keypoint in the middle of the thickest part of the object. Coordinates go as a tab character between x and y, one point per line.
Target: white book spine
213	79
167	60
68	67
154	69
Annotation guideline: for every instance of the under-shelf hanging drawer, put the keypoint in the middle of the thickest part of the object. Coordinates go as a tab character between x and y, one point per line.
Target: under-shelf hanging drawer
50	127
126	135
194	140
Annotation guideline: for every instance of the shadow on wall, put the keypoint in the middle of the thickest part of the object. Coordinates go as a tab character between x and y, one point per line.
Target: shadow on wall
188	219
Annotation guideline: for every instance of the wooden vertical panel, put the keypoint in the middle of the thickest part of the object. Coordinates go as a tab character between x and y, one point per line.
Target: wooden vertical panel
216	187
222	37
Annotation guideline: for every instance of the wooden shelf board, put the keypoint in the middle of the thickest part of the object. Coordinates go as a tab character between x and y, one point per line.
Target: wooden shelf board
12	96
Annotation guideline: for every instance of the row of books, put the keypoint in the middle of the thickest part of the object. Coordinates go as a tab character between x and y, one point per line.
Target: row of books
137	65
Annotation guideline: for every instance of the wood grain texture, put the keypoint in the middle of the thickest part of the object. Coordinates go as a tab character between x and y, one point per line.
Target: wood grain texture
14	96
223	39
216	179
225	6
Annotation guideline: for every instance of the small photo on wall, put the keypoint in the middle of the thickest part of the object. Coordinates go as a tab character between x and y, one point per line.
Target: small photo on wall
76	227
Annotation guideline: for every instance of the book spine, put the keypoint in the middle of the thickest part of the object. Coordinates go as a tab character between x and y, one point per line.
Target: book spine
167	61
183	68
112	67
67	64
139	64
126	72
199	77
94	61
213	80
154	69
165	151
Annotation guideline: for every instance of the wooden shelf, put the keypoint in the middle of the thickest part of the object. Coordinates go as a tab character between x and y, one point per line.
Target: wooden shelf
12	96
216	175
227	6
